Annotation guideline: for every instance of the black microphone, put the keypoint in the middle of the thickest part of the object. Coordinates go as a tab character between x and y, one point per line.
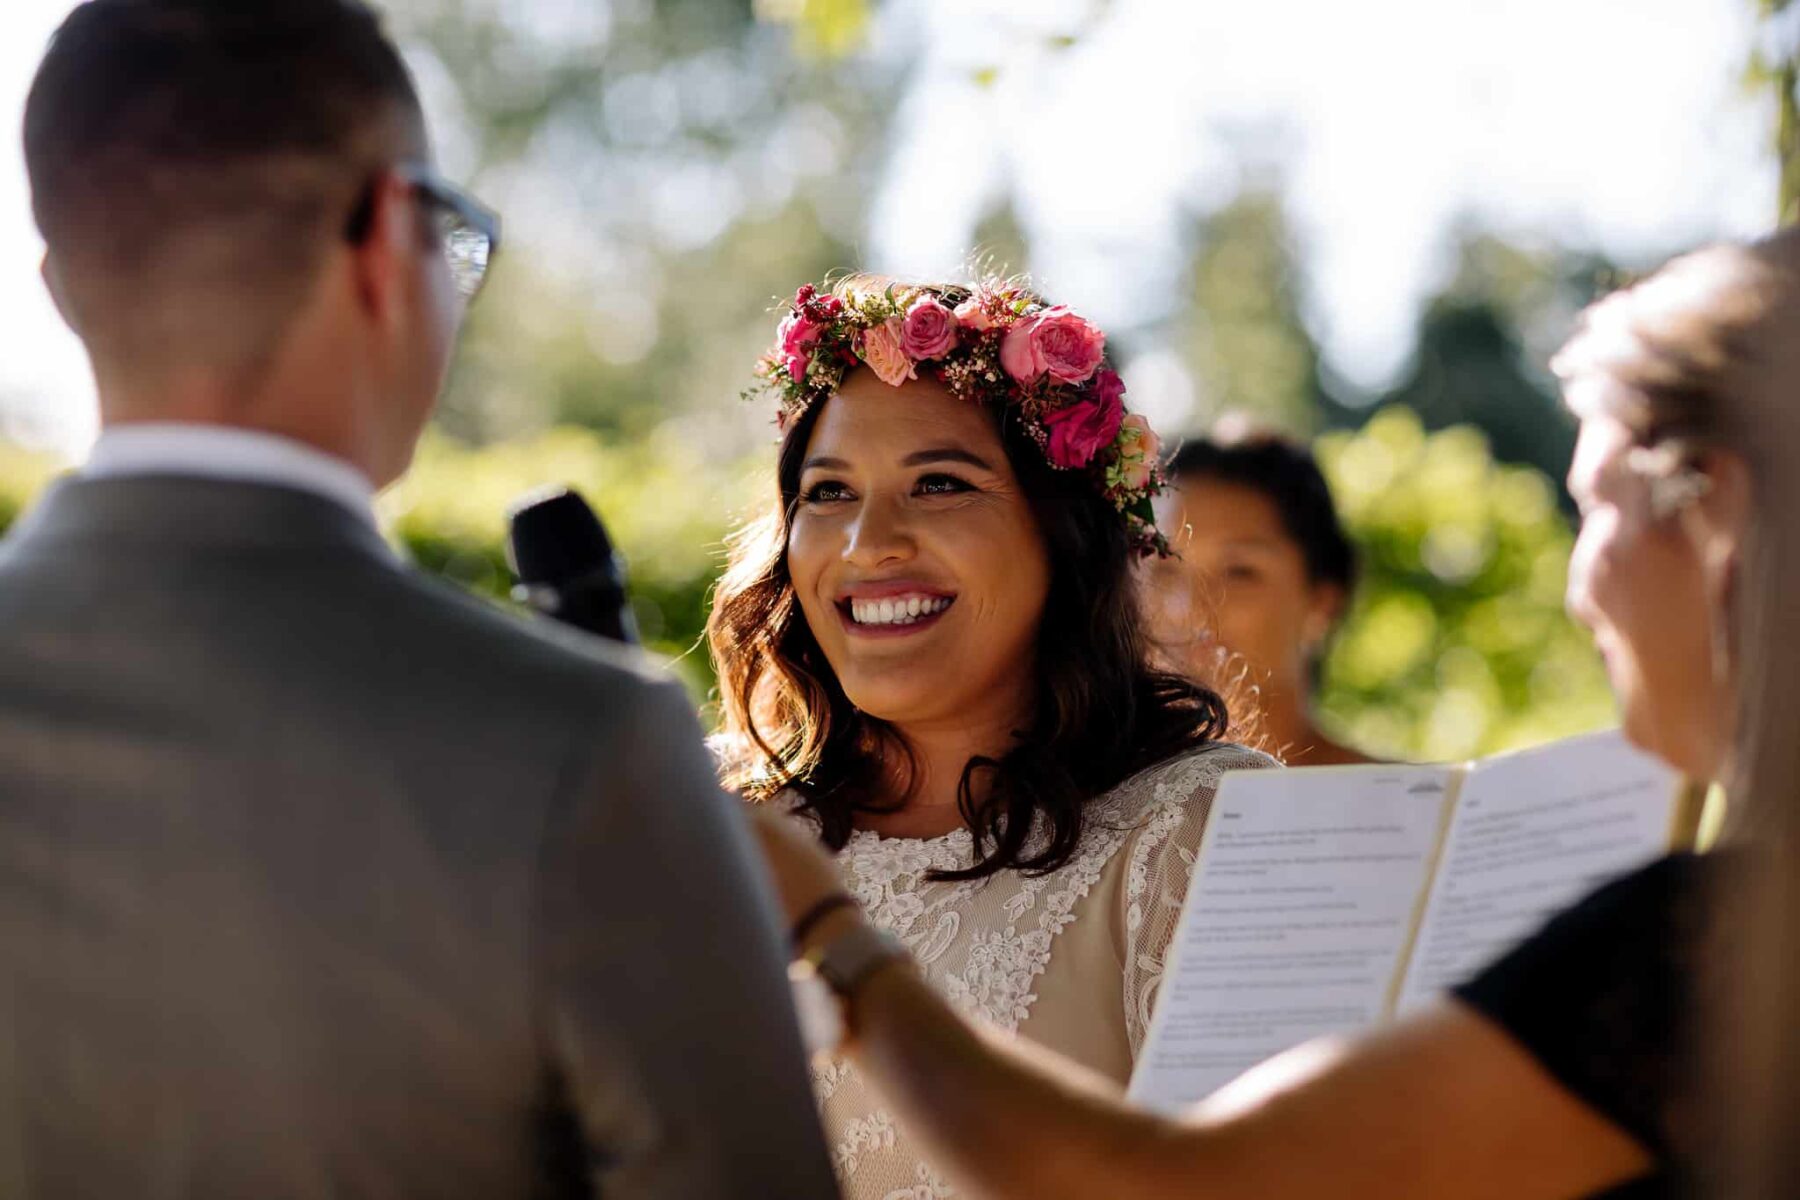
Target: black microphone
566	565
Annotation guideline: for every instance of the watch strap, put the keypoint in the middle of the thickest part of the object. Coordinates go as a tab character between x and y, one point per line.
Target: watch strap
847	960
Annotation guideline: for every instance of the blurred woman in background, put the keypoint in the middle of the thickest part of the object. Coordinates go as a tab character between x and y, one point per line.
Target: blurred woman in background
1645	1043
1263	571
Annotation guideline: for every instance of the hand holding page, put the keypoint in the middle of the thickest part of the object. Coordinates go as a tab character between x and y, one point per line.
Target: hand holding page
1301	906
1325	899
1533	833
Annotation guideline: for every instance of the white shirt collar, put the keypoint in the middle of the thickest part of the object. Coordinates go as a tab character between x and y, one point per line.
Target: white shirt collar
223	452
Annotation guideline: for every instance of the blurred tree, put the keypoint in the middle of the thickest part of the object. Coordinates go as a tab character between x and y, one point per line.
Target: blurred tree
1457	643
822	28
1240	331
667	170
667	509
1775	66
1000	240
1484	342
22	475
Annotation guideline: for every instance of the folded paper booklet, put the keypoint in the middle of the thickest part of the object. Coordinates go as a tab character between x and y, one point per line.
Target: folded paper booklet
1329	899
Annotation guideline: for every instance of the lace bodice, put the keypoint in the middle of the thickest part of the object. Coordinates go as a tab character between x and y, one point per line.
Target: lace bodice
1071	959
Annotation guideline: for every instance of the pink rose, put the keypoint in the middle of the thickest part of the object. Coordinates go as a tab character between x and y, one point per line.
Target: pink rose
798	336
1055	342
1019	353
929	330
883	351
1109	389
1069	346
1085	428
971	315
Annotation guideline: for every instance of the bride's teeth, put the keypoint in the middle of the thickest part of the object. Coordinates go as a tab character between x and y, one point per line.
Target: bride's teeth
902	611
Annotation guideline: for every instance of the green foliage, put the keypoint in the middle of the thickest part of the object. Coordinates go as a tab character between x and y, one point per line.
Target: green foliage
1244	338
1458	644
1775	68
666	171
822	28
22	475
1483	341
667	508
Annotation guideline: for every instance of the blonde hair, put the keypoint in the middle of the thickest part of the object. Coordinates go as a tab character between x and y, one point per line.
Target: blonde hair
1705	357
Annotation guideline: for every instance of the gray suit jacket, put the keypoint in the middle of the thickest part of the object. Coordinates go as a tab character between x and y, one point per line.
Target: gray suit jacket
319	880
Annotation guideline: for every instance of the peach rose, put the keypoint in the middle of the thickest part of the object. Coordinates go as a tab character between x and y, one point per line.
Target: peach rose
1142	448
884	351
971	315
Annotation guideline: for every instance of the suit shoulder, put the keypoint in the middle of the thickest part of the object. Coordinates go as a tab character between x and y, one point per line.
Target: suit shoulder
491	645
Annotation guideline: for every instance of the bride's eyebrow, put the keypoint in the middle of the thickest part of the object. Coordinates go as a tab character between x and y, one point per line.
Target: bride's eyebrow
945	454
825	463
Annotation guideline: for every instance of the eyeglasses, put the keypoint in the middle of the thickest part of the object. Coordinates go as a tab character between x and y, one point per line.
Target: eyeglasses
468	230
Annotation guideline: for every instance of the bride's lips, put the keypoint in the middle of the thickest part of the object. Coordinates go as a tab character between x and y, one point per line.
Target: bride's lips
892	608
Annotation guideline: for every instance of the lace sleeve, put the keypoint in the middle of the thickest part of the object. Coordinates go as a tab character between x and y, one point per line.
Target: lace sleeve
1159	864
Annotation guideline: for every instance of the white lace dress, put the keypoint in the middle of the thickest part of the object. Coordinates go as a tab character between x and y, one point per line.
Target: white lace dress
1071	959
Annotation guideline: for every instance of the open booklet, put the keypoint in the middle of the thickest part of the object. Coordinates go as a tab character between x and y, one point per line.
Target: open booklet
1329	899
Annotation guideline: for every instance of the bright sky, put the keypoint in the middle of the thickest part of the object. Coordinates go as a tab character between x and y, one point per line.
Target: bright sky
1620	124
46	393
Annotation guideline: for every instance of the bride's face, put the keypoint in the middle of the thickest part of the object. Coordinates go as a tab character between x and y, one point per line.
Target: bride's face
1638	582
916	557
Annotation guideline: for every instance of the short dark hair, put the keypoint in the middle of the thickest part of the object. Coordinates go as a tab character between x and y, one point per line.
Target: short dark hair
1285	471
174	142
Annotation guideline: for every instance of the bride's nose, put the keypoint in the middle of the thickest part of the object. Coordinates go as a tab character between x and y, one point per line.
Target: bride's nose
879	535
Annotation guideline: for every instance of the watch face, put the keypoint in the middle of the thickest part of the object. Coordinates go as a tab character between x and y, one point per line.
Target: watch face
818	1010
853	956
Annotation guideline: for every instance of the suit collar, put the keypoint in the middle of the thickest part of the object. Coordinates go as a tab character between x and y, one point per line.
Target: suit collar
228	453
170	511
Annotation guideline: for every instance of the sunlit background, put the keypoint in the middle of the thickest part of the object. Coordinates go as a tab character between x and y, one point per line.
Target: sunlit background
1366	222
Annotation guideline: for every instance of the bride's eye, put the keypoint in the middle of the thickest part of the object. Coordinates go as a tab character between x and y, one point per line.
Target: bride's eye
942	485
825	491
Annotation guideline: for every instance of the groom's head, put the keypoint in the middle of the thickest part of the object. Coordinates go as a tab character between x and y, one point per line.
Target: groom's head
240	219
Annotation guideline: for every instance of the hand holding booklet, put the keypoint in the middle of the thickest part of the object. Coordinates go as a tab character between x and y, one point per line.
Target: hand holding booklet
1326	900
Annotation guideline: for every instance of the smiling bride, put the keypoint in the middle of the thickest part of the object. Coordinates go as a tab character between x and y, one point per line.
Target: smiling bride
931	650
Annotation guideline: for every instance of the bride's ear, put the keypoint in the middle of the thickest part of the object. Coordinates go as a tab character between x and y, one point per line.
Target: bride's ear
1718	520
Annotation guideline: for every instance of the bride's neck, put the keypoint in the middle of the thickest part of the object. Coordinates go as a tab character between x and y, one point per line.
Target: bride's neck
928	800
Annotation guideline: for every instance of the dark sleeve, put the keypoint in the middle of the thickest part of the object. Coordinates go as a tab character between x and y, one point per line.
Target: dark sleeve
1604	997
665	1004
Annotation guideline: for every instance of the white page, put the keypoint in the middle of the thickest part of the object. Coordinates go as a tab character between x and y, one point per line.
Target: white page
1533	833
1302	902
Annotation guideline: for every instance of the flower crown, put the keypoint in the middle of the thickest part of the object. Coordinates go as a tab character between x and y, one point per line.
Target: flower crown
995	344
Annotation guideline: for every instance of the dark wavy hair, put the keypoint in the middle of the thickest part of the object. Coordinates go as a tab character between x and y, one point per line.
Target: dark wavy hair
1285	471
1105	708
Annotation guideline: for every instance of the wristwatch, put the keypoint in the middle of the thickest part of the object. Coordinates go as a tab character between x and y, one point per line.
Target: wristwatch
848	959
826	977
